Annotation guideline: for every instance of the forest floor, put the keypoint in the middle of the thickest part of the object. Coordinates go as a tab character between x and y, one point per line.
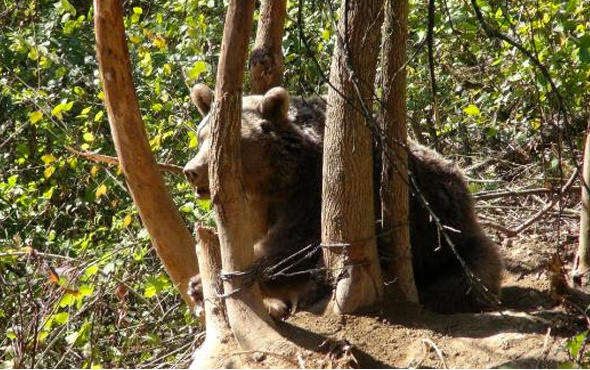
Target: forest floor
530	329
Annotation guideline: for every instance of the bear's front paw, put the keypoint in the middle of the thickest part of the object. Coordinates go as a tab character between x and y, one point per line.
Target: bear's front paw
277	308
195	291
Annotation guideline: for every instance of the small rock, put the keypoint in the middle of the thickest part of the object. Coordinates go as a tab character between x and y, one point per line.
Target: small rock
258	356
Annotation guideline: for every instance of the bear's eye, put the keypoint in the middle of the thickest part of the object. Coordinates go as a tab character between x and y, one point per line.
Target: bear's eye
266	127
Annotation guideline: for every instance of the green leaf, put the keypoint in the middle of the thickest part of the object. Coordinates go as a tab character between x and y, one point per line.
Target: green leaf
49	171
42	336
67	300
491	131
62	107
101	190
48	158
88	137
194	141
61	318
90	271
137	10
33	54
198	68
471	110
98	116
10	334
35	117
49	193
12	180
67	7
79	91
150	291
86	290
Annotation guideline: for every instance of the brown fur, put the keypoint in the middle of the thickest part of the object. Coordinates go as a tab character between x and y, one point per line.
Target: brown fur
282	164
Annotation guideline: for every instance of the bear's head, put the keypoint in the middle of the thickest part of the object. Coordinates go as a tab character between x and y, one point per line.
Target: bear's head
264	120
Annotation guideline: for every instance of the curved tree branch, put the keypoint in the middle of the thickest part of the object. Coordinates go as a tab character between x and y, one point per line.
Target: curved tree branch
169	235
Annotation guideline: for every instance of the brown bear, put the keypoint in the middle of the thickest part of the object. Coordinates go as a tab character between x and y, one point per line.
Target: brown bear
282	143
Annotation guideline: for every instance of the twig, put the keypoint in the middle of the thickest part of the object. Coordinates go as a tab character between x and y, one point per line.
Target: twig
527	223
437	350
41	254
496	226
168	167
484	195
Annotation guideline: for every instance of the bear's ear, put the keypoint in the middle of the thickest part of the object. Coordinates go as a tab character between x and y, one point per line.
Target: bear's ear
275	104
202	97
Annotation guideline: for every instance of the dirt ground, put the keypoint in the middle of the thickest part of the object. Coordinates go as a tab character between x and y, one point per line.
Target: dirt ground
529	330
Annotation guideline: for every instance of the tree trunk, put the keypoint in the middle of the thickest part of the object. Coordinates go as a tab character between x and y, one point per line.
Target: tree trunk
169	235
266	61
248	318
348	224
219	342
583	258
394	175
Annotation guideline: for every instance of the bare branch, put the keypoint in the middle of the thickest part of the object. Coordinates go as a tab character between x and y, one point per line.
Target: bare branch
99	158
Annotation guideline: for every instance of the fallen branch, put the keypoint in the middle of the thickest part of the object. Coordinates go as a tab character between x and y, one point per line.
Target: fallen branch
485	195
99	158
515	231
524	225
503	229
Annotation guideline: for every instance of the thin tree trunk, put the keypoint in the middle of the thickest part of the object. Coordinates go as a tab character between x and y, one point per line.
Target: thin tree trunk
433	120
582	267
219	341
172	240
266	61
347	207
248	318
394	180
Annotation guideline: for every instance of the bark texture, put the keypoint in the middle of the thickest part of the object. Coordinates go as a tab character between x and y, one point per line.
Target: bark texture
394	175
347	207
583	259
219	342
267	61
169	235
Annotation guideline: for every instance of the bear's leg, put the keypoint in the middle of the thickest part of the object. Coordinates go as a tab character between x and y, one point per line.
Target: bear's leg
454	291
283	298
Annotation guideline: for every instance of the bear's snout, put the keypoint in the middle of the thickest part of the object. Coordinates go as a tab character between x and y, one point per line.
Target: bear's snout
197	175
191	175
